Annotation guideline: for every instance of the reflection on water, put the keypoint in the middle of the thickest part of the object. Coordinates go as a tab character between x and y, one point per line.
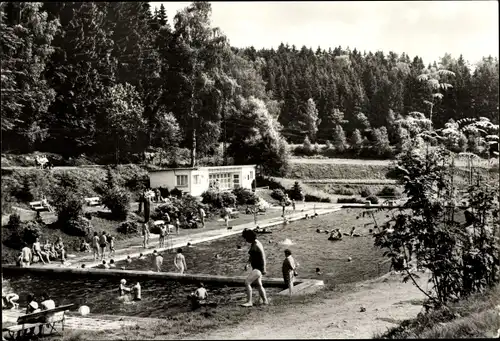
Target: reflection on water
159	298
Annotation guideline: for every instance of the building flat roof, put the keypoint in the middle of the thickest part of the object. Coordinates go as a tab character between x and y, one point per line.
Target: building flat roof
197	168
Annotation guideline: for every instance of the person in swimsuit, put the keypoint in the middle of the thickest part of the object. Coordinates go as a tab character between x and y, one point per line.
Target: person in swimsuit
145	233
198	297
157	261
136	292
26	256
288	269
95	245
37	251
257	260
32	305
123	289
59	248
103	242
180	261
161	239
9	298
112	250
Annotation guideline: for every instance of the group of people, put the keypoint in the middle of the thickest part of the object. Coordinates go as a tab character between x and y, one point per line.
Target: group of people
42	252
134	290
100	243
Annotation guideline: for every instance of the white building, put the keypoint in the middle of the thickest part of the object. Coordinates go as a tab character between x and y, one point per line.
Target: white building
197	180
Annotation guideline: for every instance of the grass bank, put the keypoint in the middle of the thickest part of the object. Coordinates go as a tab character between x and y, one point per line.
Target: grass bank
475	317
337	171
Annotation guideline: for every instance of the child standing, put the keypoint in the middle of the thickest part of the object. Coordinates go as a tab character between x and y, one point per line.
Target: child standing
180	261
161	239
111	246
288	269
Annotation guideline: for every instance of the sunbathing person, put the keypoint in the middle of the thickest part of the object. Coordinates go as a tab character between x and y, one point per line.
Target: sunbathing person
59	247
37	251
48	248
335	235
32	305
112	264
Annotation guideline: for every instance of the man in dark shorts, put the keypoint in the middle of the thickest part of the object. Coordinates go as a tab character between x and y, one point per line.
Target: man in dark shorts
103	242
257	260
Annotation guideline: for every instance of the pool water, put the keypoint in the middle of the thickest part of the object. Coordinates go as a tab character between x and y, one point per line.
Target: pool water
162	298
159	298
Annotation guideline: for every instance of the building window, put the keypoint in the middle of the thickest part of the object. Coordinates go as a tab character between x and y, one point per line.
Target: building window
236	180
251	175
196	179
182	180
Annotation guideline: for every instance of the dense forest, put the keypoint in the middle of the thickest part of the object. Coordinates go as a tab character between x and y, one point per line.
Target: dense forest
115	79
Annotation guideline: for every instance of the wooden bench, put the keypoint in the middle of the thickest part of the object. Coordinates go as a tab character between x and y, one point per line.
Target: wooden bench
27	322
94	201
38	206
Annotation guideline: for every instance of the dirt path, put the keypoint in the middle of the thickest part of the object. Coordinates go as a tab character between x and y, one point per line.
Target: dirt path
387	302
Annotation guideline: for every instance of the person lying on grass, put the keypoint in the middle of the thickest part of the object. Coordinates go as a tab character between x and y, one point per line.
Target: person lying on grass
257	260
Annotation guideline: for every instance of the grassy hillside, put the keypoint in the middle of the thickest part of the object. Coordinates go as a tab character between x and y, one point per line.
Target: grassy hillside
336	171
475	317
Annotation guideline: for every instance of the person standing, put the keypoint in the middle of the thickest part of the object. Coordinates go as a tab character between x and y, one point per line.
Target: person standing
145	234
288	269
147	208
26	256
293	204
158	261
257	260
202	216
180	261
103	242
95	245
283	206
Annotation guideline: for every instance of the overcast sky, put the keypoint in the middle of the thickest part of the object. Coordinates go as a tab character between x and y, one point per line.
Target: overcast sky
425	28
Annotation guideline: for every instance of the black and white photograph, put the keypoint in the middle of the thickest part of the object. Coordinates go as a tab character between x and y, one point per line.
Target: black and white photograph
232	170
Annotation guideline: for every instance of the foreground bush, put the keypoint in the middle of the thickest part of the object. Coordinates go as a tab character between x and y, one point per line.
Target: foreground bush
181	208
14	220
245	196
278	194
365	192
80	227
117	200
389	191
372	199
296	192
25	232
68	206
315	198
128	227
218	200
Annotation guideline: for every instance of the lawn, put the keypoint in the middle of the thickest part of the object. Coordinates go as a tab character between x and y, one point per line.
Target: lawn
310	248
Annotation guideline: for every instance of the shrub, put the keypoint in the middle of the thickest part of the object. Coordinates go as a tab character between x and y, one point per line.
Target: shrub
176	193
245	196
14	220
352	200
365	192
278	194
315	198
118	201
273	184
219	199
343	191
164	191
128	227
6	200
68	205
26	232
181	208
373	199
79	226
296	192
389	191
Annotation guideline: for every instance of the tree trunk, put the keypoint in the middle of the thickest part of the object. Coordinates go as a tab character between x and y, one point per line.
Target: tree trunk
193	149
